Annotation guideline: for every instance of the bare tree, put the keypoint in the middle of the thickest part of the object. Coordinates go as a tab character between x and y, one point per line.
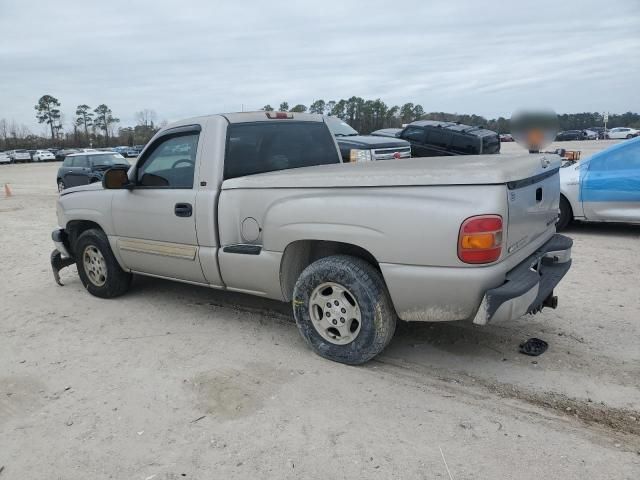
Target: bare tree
4	131
146	117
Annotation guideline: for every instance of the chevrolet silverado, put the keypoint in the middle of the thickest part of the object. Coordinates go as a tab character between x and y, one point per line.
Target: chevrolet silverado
261	203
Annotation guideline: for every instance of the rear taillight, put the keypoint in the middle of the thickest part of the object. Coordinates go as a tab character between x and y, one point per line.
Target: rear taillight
480	239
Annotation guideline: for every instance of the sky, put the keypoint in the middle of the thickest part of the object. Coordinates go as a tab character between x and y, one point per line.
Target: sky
192	57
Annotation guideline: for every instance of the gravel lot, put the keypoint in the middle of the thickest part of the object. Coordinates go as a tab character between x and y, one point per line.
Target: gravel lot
174	381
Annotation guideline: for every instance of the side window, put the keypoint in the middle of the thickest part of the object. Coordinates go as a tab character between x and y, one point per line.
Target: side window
277	145
170	163
79	161
464	143
414	134
439	137
67	162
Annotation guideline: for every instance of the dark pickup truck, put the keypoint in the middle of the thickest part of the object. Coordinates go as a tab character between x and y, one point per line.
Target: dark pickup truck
364	148
430	138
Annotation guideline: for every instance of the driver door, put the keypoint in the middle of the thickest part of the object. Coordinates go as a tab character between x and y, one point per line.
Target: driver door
155	221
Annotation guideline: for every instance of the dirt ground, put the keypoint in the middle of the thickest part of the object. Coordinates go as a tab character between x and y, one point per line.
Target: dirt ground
173	381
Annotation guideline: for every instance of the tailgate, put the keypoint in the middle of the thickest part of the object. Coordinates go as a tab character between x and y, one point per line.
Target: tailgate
533	209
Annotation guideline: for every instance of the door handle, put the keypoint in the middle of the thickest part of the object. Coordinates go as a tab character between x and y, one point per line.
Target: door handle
183	210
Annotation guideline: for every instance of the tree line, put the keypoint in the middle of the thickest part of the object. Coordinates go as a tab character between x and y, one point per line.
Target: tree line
369	115
97	126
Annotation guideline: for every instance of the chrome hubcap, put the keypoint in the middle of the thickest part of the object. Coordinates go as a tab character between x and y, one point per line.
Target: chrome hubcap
94	266
335	313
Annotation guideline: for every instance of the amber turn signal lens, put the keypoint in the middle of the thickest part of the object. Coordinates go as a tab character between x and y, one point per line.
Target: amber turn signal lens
480	240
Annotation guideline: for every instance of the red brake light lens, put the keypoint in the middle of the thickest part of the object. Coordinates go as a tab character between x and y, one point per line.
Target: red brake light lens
279	115
480	239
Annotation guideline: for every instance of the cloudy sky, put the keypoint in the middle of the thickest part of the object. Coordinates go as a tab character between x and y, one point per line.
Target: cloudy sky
190	57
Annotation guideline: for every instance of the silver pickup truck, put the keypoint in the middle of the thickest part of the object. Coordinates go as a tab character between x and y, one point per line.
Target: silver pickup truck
261	203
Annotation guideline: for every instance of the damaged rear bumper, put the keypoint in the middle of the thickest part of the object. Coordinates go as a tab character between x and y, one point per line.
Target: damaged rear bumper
529	286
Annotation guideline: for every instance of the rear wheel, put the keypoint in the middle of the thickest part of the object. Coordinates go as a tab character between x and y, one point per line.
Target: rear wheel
629	136
98	268
343	309
566	214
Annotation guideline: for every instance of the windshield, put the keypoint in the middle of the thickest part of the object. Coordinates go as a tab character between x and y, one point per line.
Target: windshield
339	128
108	159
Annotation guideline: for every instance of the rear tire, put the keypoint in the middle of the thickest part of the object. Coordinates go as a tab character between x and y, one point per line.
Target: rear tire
98	268
629	136
566	214
368	324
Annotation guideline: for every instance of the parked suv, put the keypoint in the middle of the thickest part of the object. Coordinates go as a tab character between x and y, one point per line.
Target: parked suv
430	138
363	148
89	167
622	132
571	135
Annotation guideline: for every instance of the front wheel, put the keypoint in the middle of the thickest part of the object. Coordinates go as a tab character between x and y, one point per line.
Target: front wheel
629	136
343	309
98	268
61	185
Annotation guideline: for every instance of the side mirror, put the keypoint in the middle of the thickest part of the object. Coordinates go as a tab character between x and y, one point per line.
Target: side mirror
116	178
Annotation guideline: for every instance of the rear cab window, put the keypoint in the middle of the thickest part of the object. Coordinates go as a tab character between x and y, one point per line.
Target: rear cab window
270	146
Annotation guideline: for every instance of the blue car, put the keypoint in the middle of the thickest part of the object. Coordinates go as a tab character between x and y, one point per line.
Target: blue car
604	187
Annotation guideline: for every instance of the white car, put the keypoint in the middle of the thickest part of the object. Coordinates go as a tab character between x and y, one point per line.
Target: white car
602	188
43	156
4	157
590	135
19	156
622	132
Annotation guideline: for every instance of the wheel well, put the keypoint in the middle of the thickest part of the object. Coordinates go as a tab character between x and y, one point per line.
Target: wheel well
563	197
75	228
300	254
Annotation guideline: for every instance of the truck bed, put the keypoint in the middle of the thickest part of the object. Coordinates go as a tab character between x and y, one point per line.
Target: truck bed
459	170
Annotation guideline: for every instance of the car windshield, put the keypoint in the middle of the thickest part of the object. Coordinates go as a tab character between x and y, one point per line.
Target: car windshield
340	128
108	160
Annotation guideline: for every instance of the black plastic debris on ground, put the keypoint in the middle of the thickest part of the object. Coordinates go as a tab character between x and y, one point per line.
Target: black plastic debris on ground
534	347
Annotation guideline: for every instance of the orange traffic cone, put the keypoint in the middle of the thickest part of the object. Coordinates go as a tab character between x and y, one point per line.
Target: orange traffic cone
7	190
